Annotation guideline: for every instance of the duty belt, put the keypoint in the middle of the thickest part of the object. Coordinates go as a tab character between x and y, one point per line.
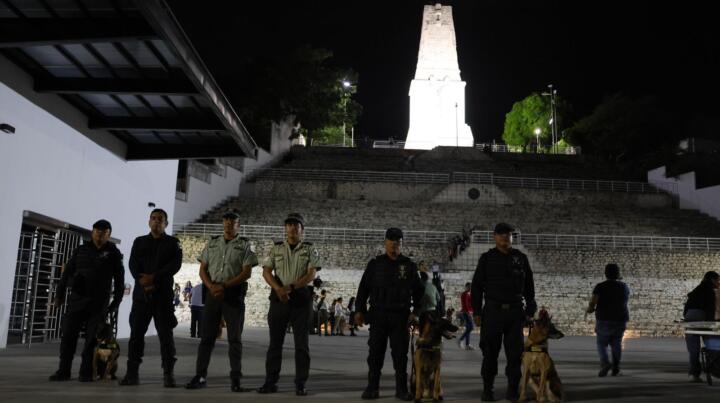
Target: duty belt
503	305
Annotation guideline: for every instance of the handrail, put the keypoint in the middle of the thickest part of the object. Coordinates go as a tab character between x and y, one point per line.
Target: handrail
564	184
466	177
316	234
563	241
354	176
504	148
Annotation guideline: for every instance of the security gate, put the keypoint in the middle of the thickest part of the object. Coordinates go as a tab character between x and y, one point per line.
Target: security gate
41	254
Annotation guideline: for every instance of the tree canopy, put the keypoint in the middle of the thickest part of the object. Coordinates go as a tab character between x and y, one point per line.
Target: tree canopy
303	82
525	116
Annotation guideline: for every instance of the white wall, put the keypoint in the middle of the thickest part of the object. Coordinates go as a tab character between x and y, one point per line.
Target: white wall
203	196
706	199
50	168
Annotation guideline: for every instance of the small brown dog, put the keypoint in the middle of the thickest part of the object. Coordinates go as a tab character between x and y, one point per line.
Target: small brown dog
538	368
106	354
427	358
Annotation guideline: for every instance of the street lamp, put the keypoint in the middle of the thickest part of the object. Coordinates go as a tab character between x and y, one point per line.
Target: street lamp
537	139
347	86
553	112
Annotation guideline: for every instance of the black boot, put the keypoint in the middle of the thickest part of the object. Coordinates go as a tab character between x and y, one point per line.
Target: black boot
372	391
401	387
512	393
131	376
488	395
168	376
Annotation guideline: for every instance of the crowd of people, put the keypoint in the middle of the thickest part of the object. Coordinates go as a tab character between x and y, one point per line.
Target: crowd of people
393	295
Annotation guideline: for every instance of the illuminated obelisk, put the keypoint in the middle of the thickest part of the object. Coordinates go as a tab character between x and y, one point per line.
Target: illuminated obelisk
437	94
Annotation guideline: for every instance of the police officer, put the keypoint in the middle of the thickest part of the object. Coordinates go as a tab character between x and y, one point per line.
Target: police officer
504	279
290	269
92	269
390	282
154	260
225	266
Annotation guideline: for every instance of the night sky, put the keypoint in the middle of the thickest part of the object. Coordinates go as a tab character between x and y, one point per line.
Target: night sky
506	49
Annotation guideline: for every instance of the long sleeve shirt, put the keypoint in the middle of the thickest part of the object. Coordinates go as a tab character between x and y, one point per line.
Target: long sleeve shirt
503	278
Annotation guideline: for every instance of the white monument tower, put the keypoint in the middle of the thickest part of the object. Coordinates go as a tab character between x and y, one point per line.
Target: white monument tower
437	94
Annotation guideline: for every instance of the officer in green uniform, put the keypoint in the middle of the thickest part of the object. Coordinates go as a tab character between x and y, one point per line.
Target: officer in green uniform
289	269
225	266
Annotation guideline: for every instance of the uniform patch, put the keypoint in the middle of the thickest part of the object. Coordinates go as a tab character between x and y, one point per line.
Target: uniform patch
402	272
516	260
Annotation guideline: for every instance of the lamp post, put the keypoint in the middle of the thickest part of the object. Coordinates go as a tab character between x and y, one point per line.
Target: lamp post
553	115
537	139
347	86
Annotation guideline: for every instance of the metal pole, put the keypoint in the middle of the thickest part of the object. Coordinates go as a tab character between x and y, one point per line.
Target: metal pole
457	140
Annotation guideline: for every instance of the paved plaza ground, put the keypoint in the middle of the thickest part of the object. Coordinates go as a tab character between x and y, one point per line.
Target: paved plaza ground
653	370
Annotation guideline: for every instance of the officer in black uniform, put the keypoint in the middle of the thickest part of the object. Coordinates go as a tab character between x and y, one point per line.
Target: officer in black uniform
154	260
390	282
504	279
91	271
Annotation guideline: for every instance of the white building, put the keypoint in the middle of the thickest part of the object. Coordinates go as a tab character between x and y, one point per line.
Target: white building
97	106
437	94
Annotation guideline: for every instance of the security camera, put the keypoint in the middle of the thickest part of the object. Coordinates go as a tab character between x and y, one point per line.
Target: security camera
7	128
151	204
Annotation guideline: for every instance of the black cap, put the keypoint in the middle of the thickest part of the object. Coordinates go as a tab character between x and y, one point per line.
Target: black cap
231	214
102	225
295	217
612	271
504	228
393	234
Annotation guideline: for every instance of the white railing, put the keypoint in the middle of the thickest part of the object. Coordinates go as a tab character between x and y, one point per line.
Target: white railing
465	177
504	148
555	241
316	234
388	144
352	176
564	184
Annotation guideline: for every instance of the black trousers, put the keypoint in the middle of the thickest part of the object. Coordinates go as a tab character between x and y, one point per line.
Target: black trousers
195	320
162	312
384	326
298	316
233	311
73	321
502	327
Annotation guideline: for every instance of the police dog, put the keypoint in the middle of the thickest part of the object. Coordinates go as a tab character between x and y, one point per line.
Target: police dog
538	368
106	354
428	355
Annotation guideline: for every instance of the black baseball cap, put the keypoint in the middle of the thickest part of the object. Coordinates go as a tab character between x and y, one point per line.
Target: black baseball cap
393	234
102	225
295	218
503	228
231	214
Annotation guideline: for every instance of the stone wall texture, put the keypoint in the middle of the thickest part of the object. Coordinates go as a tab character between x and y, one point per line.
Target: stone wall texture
564	279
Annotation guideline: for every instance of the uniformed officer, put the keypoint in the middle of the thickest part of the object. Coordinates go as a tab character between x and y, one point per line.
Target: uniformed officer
390	282
225	266
92	269
504	279
289	269
154	260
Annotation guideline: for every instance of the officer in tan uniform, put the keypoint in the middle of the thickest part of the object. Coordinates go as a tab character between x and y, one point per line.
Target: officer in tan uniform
225	266
289	268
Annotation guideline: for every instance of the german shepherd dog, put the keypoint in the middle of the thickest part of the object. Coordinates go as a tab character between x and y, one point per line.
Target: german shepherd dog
538	368
427	357
106	354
